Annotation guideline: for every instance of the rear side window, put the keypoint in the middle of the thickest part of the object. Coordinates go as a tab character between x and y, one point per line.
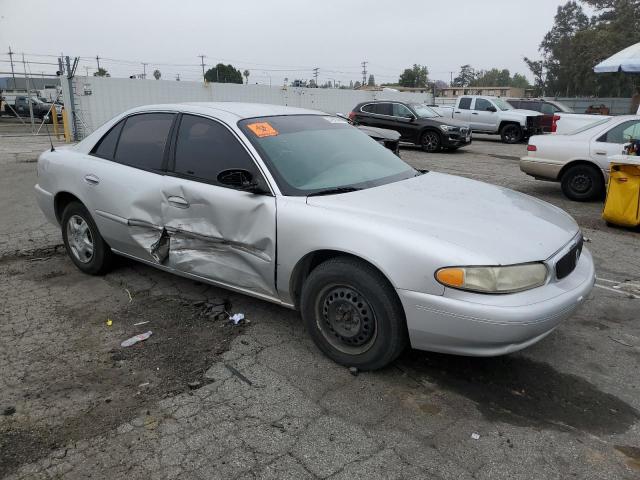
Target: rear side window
465	103
205	148
106	147
143	139
622	133
371	108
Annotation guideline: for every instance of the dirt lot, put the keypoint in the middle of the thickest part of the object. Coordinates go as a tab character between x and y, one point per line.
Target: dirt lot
203	399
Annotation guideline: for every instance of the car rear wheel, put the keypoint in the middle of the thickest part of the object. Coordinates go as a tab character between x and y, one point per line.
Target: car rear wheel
430	141
582	183
353	314
83	242
511	133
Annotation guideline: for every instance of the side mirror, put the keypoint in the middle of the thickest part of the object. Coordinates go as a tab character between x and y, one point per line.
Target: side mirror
491	109
239	179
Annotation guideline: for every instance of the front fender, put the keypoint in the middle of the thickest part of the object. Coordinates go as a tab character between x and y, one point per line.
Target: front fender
406	261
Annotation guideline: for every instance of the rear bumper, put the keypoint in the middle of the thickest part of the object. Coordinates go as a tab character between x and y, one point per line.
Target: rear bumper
488	325
540	168
46	203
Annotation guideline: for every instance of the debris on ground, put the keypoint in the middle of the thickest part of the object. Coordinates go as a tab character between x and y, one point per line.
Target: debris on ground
195	384
109	322
140	323
135	339
217	309
236	318
475	436
239	375
8	411
354	371
129	293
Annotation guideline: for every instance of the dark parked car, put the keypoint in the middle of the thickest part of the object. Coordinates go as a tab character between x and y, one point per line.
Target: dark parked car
416	123
387	138
548	108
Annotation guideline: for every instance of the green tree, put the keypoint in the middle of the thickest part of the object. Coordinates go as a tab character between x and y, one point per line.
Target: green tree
223	74
101	72
466	76
519	81
157	74
417	76
577	42
492	78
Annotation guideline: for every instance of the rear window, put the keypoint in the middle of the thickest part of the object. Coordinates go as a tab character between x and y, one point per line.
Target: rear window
106	147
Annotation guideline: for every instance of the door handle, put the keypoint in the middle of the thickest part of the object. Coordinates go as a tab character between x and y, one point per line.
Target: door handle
474	113
600	152
178	202
456	112
91	179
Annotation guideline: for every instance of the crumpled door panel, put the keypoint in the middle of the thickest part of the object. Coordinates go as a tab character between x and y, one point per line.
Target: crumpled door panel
224	235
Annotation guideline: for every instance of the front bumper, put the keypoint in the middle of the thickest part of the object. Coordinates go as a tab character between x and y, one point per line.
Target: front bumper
465	323
455	139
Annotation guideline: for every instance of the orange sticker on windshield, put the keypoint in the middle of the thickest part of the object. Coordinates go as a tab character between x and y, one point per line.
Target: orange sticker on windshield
262	129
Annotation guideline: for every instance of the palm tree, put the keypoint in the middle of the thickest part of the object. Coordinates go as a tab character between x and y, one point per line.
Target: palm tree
157	74
246	74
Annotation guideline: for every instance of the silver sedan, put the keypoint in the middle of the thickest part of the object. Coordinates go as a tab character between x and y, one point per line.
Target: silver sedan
299	208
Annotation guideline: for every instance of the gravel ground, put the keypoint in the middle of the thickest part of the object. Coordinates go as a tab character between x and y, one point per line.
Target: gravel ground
202	399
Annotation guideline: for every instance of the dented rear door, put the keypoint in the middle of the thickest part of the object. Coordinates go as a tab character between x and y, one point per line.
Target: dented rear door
215	232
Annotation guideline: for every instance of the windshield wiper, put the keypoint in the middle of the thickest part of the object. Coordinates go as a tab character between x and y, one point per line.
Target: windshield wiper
333	191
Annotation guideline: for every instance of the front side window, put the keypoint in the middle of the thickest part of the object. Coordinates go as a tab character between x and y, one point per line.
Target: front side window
143	140
204	148
465	103
401	111
482	104
623	133
310	153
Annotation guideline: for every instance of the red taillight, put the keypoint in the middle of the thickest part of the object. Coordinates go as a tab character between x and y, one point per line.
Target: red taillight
352	116
554	123
532	148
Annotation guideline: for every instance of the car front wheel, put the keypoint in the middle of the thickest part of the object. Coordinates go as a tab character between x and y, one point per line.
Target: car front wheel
353	314
430	141
83	242
582	183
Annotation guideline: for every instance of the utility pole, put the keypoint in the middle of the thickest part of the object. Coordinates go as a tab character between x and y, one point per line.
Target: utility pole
12	72
451	82
364	73
98	61
202	57
177	77
26	79
315	76
144	70
87	71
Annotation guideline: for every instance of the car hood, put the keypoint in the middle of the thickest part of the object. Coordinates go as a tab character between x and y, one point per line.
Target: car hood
528	113
484	223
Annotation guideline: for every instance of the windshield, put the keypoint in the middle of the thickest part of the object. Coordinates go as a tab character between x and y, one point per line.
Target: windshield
423	111
310	153
501	104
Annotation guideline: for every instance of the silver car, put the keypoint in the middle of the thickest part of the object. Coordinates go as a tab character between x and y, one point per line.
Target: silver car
301	209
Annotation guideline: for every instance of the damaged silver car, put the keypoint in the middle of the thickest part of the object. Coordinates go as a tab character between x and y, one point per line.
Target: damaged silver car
299	208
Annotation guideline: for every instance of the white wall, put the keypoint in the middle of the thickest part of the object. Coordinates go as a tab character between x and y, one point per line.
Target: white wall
110	96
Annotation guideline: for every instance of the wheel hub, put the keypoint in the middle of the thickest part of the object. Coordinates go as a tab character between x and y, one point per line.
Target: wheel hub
347	317
79	239
581	183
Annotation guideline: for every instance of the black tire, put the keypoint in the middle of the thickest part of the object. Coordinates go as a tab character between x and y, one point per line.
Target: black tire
431	141
101	258
511	133
366	330
582	183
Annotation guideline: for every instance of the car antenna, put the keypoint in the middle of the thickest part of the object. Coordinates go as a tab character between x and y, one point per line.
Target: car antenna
46	121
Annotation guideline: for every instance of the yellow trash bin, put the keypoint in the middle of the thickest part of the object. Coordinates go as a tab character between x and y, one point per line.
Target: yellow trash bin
622	206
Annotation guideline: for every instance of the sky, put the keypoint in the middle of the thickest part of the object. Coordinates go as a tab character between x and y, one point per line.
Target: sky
275	39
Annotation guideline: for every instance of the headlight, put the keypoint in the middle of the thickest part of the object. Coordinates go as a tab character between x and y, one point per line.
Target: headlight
447	128
507	279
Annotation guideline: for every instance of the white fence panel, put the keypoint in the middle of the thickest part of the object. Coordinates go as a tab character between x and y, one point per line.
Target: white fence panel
98	99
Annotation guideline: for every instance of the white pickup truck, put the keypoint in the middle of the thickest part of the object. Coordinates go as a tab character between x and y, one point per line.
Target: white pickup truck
494	115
